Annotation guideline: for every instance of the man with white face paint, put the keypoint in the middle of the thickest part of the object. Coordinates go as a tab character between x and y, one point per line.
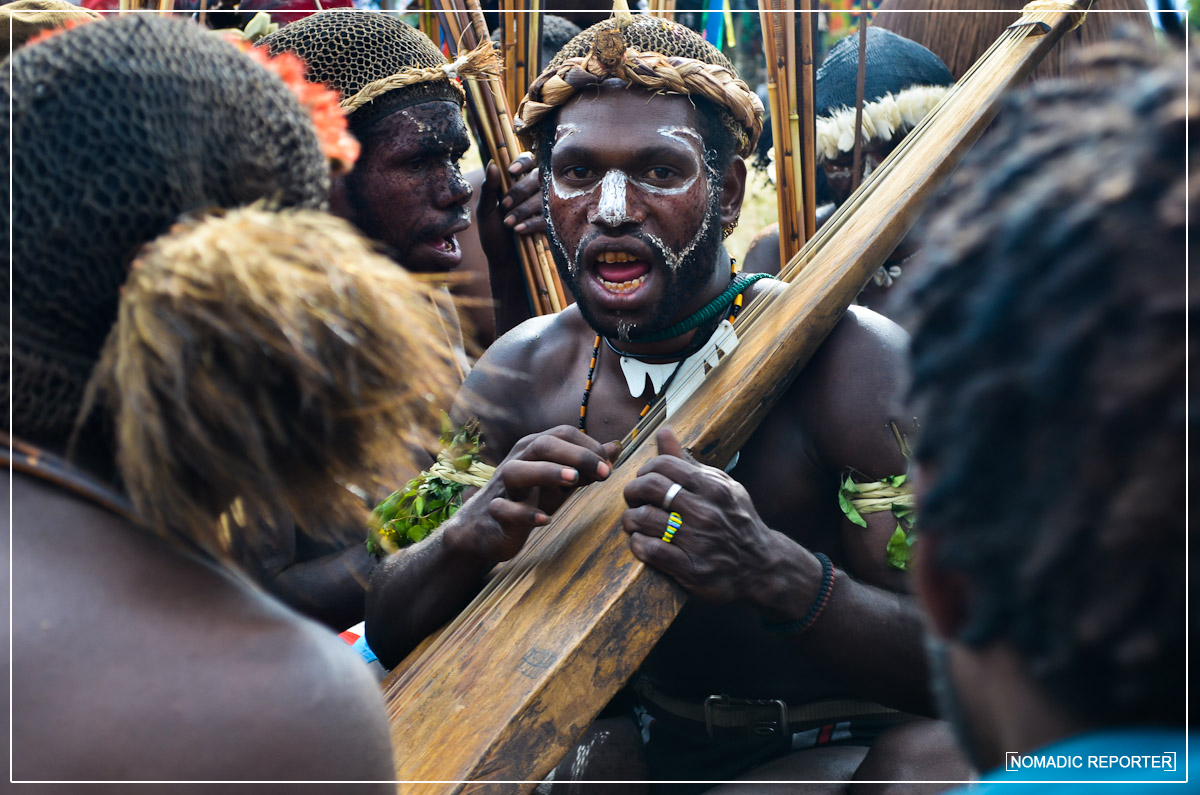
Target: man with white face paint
799	646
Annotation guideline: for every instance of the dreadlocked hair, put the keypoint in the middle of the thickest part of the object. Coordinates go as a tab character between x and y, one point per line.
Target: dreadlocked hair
261	363
1048	358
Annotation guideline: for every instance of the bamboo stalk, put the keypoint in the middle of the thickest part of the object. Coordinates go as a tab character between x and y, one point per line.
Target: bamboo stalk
465	24
533	57
664	9
775	20
545	269
428	23
796	183
808	118
859	98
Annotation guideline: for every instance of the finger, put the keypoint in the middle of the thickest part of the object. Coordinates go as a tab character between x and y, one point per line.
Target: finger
516	516
533	226
649	520
668	444
516	520
667	558
521	163
525	195
571	447
612	451
597	465
684	472
489	192
649	489
528	209
520	478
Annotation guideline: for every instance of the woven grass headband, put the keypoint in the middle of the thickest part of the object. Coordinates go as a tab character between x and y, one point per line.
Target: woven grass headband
483	61
610	57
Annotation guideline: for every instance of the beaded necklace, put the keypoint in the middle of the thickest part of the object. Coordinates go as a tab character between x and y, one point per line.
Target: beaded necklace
587	388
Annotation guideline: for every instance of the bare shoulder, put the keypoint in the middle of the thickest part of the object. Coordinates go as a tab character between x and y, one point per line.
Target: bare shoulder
852	392
514	375
134	661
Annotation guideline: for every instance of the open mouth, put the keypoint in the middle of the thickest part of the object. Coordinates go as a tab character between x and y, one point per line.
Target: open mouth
446	245
620	272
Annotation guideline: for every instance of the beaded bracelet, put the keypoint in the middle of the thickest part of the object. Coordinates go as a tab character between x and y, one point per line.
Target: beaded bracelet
814	612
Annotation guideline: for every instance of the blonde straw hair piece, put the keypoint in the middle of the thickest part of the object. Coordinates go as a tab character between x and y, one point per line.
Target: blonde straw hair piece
483	61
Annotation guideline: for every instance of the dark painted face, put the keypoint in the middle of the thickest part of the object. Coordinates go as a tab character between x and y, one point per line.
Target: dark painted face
840	171
406	190
634	214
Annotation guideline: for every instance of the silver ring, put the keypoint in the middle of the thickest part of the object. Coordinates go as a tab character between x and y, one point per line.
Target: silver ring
670	498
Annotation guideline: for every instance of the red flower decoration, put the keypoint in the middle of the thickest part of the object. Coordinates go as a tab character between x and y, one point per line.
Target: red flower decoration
322	103
50	33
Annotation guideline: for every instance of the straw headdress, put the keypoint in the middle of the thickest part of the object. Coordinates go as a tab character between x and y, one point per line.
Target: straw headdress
654	54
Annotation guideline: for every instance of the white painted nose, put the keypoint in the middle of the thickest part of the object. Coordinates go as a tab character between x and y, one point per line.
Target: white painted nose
611	210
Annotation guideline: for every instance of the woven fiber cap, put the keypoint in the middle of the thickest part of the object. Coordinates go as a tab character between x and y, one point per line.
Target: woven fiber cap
119	127
654	54
903	82
378	63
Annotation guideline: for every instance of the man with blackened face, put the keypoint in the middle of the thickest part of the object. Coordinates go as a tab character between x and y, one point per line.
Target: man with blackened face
405	192
405	108
640	128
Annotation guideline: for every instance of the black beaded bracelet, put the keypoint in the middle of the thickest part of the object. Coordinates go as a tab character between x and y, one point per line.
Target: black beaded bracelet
818	605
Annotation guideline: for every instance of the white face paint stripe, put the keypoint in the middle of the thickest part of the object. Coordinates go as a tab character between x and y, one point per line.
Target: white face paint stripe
568	193
679	134
613	188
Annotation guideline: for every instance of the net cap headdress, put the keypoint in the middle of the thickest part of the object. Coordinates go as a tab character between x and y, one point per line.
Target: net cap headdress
119	127
654	54
378	63
903	82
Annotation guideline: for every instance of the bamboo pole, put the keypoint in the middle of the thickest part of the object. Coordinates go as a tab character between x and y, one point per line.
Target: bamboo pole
808	118
509	685
533	57
465	25
796	184
776	19
664	9
859	99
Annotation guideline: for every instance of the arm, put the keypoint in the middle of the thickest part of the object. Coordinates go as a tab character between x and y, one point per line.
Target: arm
868	634
419	588
332	588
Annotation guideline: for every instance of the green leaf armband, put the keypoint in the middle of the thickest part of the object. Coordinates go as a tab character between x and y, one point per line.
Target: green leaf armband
411	513
887	494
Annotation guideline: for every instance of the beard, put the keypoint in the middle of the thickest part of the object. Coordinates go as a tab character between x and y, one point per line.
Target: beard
950	707
684	273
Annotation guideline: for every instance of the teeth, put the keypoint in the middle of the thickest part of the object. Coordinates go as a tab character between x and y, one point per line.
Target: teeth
616	256
623	287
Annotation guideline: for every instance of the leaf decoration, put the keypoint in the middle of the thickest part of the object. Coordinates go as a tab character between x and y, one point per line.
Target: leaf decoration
410	514
899	549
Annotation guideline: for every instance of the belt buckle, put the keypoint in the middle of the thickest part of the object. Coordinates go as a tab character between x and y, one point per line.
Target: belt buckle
765	727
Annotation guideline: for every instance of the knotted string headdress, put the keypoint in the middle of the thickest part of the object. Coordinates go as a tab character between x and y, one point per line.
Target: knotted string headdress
378	64
654	54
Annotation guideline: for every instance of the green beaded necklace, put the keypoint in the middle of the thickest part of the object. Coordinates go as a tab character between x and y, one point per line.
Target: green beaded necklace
733	293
